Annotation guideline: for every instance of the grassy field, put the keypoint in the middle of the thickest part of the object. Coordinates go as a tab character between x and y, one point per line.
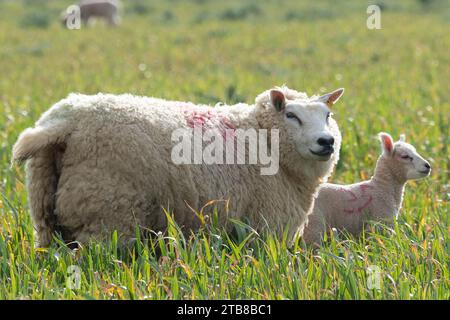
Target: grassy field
397	79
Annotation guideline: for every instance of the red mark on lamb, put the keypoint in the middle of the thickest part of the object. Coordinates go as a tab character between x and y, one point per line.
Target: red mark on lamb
365	205
364	187
353	196
364	199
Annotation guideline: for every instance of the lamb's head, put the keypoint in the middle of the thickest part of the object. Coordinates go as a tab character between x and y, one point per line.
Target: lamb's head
403	158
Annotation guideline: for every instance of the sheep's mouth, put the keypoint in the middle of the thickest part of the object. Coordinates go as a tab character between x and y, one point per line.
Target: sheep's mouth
425	172
324	153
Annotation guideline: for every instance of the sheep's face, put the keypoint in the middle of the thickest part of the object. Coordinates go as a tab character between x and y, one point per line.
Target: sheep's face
307	124
405	157
415	166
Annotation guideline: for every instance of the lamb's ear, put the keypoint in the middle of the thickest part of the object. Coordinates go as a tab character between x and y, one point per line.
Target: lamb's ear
277	99
331	98
387	144
402	138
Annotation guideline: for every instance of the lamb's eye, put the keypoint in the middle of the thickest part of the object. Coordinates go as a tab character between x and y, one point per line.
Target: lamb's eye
406	157
290	115
328	116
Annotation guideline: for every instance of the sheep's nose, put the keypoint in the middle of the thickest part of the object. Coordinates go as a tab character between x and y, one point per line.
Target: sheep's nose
325	141
427	165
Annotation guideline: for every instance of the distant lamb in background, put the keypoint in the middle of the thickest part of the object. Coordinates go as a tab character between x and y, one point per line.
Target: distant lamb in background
104	9
103	162
348	207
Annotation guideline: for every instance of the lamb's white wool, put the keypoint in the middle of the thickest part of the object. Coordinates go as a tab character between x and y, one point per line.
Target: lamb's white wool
101	163
348	207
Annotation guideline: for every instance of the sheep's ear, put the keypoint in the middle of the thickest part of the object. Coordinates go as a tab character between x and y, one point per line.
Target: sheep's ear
402	138
331	98
387	144
277	99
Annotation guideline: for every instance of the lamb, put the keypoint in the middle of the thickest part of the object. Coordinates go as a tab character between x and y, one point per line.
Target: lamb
103	162
349	207
105	9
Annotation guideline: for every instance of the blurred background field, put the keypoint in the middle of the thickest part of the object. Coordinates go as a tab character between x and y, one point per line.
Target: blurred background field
397	79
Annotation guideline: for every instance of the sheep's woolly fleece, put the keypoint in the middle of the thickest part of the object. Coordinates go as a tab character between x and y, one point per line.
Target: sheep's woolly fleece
103	162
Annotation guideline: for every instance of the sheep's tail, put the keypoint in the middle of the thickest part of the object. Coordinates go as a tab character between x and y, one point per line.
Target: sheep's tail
44	148
32	140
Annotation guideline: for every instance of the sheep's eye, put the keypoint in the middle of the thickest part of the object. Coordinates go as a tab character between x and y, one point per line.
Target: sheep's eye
406	157
290	115
328	116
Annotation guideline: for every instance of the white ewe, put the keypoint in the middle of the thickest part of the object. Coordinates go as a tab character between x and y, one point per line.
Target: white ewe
101	163
348	207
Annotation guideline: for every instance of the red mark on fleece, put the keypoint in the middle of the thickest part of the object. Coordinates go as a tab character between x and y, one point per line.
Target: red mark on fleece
209	120
364	198
198	118
226	123
365	205
352	195
364	187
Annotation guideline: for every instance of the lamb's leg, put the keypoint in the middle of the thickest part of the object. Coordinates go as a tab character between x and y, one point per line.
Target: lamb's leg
315	229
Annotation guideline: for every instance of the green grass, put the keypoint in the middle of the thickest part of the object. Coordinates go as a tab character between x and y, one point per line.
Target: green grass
397	79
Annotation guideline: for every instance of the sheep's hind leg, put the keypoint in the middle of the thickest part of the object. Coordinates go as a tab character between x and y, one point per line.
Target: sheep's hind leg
92	204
